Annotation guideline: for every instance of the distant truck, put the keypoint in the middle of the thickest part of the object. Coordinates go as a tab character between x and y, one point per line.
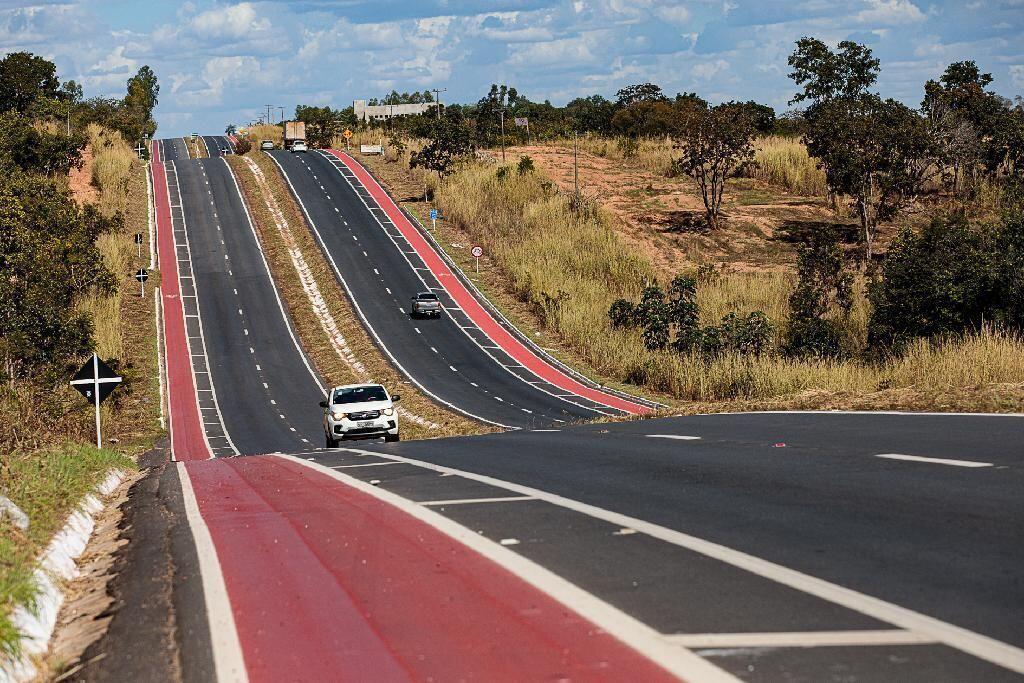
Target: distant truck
294	131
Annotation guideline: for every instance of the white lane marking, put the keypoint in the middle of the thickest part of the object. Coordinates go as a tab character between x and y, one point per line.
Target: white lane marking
470	501
227	650
266	386
799	639
452	367
509	541
545	430
642	638
362	316
258	368
417	330
934	461
499	398
680	437
526	410
366	464
981	646
386	289
433	349
270	279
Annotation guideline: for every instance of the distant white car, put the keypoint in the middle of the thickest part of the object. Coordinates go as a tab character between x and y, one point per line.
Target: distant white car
360	411
299	146
267	144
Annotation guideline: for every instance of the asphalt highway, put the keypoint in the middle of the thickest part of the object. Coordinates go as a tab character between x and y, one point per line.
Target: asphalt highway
774	546
173	149
938	532
377	271
265	391
217	145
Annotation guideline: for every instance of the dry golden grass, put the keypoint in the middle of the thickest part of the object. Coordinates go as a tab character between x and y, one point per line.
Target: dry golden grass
651	154
784	162
569	266
258	133
113	161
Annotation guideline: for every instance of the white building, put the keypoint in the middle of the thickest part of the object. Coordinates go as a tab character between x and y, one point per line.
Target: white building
381	112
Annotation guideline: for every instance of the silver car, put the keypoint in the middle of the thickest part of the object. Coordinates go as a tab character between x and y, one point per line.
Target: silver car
425	305
360	411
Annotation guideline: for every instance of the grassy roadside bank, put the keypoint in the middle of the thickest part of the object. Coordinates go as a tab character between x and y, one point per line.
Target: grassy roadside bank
565	267
352	356
47	485
47	465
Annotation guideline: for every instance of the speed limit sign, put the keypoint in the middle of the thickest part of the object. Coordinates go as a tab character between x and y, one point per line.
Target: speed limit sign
477	252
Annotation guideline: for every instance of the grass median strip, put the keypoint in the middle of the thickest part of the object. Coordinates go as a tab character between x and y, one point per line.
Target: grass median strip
326	324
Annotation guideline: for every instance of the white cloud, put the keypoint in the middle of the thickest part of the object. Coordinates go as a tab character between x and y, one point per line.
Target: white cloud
890	13
231	21
705	71
1017	75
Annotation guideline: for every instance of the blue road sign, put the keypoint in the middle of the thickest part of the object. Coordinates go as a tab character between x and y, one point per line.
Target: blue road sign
433	214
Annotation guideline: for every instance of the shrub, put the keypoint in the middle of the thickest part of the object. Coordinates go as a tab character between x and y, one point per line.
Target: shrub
622	314
949	279
525	165
243	145
824	288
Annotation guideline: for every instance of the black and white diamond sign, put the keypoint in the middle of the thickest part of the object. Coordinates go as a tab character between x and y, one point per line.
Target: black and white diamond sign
95	378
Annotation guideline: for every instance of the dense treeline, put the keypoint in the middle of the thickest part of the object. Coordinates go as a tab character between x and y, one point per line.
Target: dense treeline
48	252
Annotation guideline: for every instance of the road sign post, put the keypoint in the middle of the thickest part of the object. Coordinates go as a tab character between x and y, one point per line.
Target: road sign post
95	380
348	136
433	219
142	275
477	253
138	242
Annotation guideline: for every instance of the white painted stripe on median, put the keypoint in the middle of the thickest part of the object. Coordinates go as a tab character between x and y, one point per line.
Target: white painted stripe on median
227	650
934	461
469	501
981	646
634	633
680	437
800	639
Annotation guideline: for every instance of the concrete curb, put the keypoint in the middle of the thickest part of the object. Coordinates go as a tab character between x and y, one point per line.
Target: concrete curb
55	566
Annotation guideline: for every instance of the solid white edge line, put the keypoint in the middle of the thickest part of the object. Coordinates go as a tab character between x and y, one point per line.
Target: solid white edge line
675	659
673	436
976	644
699	641
934	461
471	501
359	311
160	354
228	660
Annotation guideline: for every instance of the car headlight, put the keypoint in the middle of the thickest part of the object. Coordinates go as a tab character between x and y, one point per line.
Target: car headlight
337	415
389	411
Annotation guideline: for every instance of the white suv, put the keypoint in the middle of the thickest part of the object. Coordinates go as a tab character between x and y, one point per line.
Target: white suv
360	411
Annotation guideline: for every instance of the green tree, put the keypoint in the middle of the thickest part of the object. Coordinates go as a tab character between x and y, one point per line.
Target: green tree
716	144
141	98
25	79
449	140
322	124
640	92
878	152
49	260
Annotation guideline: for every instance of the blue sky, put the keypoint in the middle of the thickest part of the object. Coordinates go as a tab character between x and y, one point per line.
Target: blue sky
221	62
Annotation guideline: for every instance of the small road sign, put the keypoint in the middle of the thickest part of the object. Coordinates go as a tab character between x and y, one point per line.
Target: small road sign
433	214
95	380
347	134
142	275
138	243
477	252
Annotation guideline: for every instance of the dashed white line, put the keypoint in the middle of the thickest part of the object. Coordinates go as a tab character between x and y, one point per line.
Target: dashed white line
934	461
679	437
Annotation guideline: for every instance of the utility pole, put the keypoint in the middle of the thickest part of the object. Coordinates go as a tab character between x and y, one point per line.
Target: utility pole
437	100
575	166
269	107
501	112
282	113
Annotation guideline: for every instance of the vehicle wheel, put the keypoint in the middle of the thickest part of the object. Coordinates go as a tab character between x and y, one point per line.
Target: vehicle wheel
331	443
389	438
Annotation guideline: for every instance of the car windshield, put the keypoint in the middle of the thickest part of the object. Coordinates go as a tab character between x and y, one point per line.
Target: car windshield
426	296
360	394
